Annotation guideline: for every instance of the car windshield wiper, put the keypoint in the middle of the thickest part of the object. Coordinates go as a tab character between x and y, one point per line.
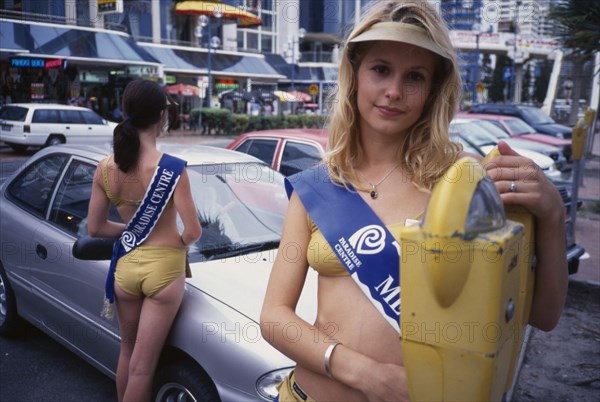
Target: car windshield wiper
233	249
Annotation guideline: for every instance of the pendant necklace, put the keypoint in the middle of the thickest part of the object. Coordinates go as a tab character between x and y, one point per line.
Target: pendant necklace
374	192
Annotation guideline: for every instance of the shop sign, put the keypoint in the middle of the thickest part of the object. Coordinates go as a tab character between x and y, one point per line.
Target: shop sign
94	76
31	62
170	79
226	84
37	91
144	72
110	6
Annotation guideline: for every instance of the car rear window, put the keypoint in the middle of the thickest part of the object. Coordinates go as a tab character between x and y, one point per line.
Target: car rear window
45	116
261	149
14	113
297	157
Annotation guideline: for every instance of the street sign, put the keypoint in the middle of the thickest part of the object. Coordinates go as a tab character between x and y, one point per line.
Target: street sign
507	73
313	89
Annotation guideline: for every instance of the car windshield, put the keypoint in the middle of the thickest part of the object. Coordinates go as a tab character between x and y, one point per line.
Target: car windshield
474	133
241	207
519	127
492	129
536	116
467	147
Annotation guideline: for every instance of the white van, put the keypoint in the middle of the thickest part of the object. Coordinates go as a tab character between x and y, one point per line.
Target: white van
44	124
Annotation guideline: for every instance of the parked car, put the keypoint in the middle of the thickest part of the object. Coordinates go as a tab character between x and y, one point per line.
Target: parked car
541	122
479	133
517	128
215	350
43	124
287	150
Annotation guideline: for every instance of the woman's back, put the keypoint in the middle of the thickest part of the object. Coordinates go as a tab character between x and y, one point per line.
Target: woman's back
128	190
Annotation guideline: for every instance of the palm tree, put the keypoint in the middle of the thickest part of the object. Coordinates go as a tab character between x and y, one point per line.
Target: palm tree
577	25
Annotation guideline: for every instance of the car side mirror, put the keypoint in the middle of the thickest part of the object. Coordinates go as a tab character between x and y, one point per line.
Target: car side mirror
94	248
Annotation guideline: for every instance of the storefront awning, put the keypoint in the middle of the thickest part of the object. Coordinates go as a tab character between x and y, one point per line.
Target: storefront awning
245	19
304	74
83	45
185	61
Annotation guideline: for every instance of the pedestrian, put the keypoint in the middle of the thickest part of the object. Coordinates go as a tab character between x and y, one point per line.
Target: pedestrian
398	89
146	277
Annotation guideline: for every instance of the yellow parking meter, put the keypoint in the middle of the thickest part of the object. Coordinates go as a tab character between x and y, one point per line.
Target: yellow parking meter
589	116
462	291
578	139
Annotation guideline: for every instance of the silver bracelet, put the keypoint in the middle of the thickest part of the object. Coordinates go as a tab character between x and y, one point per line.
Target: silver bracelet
327	358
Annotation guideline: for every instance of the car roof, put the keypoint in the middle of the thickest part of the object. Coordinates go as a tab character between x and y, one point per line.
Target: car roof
47	106
314	134
194	154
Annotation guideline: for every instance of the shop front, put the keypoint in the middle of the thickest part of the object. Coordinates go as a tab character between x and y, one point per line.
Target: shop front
41	62
232	80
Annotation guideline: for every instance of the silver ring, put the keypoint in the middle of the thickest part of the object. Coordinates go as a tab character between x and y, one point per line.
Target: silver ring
513	187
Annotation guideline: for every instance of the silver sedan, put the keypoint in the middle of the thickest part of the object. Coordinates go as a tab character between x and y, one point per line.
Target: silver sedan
215	350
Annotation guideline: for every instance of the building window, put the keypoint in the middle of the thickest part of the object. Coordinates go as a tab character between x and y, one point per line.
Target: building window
266	43
252	41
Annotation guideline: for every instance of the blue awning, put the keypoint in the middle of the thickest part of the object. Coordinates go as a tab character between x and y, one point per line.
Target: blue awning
180	60
304	74
85	45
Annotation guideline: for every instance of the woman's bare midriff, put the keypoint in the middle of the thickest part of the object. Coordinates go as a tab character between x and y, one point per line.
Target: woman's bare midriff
357	325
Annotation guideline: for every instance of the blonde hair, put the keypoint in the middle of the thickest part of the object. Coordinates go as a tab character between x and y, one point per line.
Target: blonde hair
427	152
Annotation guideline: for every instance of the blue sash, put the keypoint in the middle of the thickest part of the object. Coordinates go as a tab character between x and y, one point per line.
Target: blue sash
360	240
157	195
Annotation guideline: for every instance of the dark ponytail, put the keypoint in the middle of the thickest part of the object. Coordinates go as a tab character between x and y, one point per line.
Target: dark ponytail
126	145
143	102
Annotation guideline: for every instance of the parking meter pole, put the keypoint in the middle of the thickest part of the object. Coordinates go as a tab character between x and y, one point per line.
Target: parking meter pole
578	139
590	120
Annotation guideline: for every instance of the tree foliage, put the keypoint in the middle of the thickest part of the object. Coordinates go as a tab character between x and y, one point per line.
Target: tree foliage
577	24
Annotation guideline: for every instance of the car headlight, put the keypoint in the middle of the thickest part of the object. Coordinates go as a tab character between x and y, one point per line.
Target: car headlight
266	386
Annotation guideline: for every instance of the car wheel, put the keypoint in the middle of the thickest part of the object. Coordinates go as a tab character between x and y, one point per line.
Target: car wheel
8	306
18	147
54	140
184	381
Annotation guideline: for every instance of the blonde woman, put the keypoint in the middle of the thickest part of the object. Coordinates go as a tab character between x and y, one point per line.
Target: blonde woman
398	89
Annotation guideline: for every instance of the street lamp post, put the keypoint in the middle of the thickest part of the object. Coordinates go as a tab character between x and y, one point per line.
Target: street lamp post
296	40
477	29
513	67
213	43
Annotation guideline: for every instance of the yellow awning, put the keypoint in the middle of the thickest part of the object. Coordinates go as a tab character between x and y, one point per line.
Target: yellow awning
245	18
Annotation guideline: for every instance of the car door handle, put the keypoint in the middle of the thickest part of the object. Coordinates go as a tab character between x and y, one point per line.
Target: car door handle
68	128
89	128
41	251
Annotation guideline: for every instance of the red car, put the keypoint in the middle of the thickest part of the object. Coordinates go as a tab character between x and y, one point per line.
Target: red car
286	150
516	127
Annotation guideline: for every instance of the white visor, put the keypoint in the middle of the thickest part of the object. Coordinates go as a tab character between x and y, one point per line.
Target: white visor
401	32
